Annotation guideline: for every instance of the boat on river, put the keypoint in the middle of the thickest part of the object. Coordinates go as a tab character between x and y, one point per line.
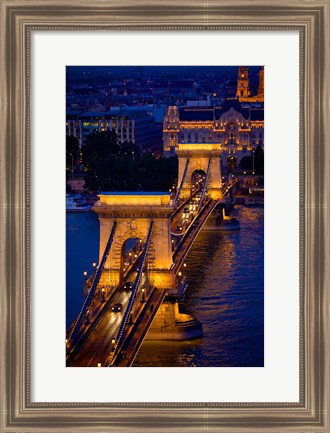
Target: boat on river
76	203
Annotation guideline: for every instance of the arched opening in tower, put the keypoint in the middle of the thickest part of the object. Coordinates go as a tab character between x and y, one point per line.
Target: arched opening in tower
197	180
131	251
231	162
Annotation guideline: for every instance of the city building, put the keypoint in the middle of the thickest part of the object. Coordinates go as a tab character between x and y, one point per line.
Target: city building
237	125
243	92
135	126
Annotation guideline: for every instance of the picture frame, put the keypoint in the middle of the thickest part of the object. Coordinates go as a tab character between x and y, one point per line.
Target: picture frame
18	20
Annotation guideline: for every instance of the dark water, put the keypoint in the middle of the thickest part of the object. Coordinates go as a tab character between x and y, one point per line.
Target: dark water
82	249
225	271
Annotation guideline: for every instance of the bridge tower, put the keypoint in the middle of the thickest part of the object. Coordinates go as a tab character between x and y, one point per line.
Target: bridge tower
243	88
200	156
133	213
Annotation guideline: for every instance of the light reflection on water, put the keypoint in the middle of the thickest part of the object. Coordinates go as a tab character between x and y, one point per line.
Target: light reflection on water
225	271
226	286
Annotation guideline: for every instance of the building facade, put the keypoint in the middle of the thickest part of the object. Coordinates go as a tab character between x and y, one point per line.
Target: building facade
134	126
237	126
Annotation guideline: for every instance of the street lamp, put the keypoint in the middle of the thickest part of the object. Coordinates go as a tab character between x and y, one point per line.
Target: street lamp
103	293
87	317
113	342
142	300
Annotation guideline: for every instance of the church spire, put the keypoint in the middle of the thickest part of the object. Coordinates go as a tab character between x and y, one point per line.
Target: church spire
243	87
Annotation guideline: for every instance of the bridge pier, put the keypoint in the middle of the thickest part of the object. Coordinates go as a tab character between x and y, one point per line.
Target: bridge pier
221	219
170	324
161	278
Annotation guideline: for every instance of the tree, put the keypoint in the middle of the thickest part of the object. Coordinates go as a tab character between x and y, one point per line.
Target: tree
72	153
246	163
259	160
99	145
114	166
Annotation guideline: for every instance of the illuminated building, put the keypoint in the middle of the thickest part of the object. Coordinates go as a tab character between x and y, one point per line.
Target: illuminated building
134	126
243	87
243	93
238	125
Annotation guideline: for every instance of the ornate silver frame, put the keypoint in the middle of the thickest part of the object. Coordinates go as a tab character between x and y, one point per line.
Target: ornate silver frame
18	19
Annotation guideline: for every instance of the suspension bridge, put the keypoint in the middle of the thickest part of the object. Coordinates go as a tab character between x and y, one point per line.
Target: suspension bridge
135	288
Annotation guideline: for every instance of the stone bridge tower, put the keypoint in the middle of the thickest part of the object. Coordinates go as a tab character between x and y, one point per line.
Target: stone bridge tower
199	155
133	213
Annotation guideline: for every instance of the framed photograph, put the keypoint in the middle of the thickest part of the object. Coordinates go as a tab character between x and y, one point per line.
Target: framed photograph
231	103
182	148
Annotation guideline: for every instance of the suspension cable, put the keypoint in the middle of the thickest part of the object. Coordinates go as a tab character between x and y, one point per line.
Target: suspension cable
134	289
95	281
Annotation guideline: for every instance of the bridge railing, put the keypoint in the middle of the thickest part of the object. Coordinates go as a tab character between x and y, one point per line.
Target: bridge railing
184	203
179	254
91	325
191	226
134	292
96	280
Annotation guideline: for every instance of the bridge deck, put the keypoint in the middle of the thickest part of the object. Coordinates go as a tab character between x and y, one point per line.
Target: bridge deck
186	242
98	343
139	330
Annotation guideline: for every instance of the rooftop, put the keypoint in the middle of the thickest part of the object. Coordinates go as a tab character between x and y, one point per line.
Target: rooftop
204	114
137	199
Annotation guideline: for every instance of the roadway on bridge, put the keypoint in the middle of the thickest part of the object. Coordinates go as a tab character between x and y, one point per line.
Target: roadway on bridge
139	329
97	347
184	246
182	218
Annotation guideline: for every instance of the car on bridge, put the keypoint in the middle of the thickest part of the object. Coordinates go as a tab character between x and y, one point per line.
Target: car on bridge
128	285
185	210
179	228
117	307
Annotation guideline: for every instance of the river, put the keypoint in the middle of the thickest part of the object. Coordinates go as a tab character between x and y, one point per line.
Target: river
225	272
